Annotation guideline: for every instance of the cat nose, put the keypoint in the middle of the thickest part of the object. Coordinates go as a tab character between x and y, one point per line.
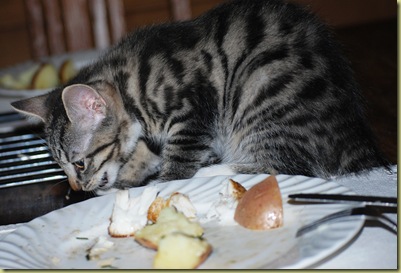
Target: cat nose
74	185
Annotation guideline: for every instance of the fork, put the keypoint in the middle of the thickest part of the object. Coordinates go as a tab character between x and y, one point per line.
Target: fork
370	211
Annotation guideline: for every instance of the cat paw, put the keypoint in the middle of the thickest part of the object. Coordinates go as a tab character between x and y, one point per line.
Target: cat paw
215	170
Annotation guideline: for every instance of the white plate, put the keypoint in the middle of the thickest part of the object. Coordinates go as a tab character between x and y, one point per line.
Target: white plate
53	240
79	59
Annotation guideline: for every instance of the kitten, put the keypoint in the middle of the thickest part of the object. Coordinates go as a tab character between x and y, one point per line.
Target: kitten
259	86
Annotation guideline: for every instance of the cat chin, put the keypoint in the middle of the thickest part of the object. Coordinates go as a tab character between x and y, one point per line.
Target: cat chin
215	170
101	192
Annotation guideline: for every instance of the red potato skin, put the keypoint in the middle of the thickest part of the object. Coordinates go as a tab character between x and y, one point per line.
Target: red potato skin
146	243
261	207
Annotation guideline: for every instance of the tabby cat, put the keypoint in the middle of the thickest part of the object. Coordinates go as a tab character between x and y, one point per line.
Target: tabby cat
256	86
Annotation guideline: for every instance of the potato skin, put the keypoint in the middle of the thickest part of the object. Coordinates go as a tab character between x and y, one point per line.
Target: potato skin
146	243
238	189
154	209
261	207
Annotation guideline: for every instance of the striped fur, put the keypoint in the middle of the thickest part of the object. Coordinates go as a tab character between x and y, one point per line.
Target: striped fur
260	86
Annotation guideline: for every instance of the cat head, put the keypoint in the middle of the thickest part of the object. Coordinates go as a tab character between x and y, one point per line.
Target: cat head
86	129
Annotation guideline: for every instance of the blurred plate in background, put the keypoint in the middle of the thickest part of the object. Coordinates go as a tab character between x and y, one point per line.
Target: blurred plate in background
79	59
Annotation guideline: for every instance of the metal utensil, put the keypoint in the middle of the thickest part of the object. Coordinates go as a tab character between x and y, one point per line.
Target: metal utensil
380	201
369	211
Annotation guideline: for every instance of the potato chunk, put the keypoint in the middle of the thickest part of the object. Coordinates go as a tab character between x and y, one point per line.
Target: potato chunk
67	71
169	221
45	77
180	251
261	207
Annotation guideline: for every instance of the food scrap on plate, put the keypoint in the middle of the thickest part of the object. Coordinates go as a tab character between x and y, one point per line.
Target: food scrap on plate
40	76
169	225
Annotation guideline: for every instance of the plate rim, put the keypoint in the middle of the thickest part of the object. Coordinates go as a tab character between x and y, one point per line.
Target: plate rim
300	263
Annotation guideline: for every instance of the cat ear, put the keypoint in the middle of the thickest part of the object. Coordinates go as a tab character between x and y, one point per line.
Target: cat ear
35	107
84	106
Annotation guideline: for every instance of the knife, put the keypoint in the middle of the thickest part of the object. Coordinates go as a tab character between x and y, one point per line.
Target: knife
380	201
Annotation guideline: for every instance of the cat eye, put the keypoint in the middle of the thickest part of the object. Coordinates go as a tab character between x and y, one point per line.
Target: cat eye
79	165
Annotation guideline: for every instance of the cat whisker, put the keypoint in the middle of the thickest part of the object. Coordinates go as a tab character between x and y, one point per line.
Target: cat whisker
41	138
92	193
56	184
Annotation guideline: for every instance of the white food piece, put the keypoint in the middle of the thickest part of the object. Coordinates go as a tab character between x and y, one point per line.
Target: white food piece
55	260
130	214
223	209
182	203
177	200
106	262
101	246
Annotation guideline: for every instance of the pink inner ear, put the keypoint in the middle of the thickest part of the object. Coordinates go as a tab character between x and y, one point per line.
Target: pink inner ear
83	105
92	104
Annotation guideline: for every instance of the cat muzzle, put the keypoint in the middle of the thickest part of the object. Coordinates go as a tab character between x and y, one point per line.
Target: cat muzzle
92	185
104	180
74	185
